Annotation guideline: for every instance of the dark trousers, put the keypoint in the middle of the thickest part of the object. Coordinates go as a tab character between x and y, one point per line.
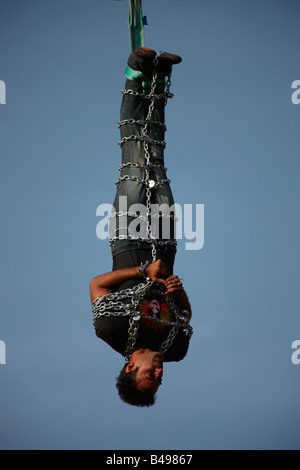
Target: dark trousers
136	108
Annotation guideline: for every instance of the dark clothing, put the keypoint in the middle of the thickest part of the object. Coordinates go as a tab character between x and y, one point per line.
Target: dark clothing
133	107
114	330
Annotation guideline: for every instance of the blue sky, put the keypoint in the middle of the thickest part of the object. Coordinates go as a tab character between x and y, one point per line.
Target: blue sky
232	145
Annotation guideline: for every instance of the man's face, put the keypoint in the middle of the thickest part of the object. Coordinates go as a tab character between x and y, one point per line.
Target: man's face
150	365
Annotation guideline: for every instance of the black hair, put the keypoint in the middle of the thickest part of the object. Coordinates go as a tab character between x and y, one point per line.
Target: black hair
128	392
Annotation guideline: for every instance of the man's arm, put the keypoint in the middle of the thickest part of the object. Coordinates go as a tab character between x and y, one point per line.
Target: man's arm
102	285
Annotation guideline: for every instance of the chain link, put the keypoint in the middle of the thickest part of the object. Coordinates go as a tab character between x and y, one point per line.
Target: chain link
142	123
144	181
141	217
147	153
142	167
155	97
146	140
143	138
111	305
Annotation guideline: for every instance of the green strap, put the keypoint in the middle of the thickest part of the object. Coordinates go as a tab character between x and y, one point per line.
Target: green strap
135	75
135	23
138	76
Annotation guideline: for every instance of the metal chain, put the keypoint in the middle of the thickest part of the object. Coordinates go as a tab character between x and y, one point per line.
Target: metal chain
142	167
161	96
133	331
111	305
143	138
141	217
142	123
144	181
147	153
147	123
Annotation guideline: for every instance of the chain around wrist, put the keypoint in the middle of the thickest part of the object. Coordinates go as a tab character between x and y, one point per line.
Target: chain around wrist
143	269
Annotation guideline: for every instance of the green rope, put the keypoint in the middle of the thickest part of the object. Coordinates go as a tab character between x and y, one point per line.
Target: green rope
138	76
136	25
135	75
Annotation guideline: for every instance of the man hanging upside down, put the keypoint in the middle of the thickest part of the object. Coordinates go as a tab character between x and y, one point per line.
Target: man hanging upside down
140	308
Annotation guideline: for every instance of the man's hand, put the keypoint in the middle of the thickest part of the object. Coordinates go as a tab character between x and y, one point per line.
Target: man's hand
177	292
157	271
174	287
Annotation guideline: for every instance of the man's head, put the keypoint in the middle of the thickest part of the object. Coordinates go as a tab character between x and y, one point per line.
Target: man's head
141	377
